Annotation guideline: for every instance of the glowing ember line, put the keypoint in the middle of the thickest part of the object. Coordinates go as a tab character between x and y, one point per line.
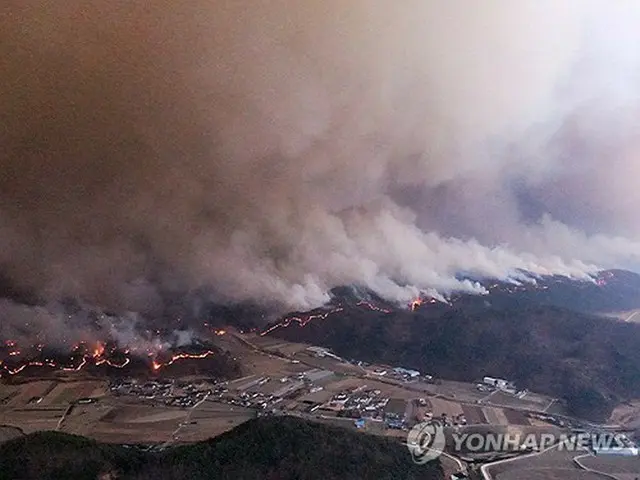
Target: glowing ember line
157	365
97	357
370	306
75	369
111	364
302	321
19	369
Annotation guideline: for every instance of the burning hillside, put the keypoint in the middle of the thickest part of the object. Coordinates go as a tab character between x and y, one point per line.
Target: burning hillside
70	338
609	290
272	151
105	358
532	332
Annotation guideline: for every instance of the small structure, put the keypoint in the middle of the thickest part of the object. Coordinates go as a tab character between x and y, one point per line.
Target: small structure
406	372
499	383
619	451
321	352
318	351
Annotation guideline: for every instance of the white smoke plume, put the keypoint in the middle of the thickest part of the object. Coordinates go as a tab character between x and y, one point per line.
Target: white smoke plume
55	326
271	150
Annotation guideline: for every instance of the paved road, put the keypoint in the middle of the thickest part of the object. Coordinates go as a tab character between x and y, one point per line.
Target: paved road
187	419
577	461
484	469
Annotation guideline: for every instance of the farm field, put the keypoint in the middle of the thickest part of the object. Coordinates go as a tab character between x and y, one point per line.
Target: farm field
152	411
623	468
558	464
210	419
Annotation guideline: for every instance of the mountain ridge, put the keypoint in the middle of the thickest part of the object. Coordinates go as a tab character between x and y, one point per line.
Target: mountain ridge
549	337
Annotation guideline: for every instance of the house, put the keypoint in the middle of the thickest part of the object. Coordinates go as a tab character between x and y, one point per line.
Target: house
406	372
496	382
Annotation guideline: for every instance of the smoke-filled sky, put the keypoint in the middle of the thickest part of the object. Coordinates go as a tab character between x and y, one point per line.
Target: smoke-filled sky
271	150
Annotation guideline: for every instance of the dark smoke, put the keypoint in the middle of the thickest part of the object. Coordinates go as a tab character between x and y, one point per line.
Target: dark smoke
269	151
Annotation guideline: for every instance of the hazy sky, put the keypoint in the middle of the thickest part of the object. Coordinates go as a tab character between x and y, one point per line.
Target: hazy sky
270	150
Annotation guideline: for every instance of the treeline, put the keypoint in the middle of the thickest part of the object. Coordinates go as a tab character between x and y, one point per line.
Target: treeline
591	362
273	448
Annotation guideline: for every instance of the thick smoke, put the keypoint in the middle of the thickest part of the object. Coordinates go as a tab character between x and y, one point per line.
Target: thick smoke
56	325
271	150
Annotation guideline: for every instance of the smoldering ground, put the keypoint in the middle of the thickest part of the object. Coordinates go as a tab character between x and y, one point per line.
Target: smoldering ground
269	151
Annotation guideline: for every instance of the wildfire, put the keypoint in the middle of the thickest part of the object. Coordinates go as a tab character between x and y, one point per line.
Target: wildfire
157	365
370	306
112	364
302	320
76	369
96	355
604	277
417	303
98	351
155	353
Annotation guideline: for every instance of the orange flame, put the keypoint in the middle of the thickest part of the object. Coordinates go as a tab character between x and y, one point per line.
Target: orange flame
416	304
98	351
370	306
302	321
157	365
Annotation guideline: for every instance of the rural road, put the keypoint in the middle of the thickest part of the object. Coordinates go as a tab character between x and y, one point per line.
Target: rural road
187	419
485	468
64	416
577	461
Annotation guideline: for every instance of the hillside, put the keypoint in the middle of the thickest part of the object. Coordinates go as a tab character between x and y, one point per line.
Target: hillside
590	361
269	448
610	291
